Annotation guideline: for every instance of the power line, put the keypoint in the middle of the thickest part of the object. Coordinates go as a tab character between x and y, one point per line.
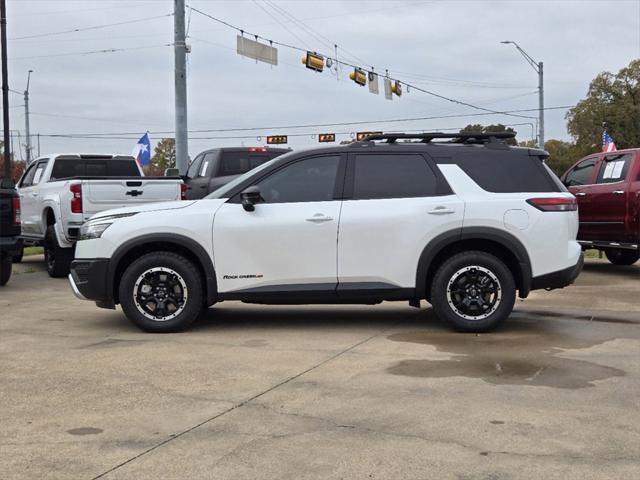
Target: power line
313	125
95	27
91	52
293	47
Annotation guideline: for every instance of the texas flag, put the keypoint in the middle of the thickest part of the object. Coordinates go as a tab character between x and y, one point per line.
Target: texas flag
607	143
142	151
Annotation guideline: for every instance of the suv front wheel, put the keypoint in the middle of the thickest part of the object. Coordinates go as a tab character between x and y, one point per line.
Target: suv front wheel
473	291
161	292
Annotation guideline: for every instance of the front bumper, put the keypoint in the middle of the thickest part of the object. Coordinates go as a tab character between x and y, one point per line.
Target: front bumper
88	279
558	279
10	246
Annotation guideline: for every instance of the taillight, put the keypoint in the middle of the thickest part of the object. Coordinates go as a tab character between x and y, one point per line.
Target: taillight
559	204
183	191
76	199
257	149
16	210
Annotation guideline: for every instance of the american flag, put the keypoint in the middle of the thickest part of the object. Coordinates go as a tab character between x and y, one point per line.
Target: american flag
607	143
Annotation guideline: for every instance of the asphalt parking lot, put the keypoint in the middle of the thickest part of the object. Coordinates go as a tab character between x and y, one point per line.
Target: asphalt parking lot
360	392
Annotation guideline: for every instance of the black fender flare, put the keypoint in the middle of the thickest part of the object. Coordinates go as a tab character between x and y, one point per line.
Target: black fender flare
185	242
507	240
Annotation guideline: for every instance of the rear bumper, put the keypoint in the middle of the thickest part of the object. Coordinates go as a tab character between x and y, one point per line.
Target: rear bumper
88	279
558	279
10	246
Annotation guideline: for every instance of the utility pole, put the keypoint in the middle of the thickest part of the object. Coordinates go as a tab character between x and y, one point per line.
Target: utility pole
539	68
26	118
5	90
180	56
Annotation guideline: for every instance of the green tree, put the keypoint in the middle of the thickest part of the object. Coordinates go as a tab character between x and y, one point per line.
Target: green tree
613	99
164	156
561	155
499	128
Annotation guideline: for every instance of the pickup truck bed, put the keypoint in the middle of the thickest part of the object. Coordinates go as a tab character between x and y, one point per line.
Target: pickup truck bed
59	193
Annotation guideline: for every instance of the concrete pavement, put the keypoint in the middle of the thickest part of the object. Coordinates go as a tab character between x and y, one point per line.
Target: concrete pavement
330	392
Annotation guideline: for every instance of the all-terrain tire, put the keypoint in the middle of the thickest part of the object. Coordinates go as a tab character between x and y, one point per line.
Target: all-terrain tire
57	258
473	291
167	278
621	256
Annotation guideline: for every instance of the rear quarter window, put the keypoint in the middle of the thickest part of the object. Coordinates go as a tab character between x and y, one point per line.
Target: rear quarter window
507	172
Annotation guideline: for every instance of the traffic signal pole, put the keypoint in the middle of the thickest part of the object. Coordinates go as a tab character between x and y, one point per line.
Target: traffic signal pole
180	78
5	90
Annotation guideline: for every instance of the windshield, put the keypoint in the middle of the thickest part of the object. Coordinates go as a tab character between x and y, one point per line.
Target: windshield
222	192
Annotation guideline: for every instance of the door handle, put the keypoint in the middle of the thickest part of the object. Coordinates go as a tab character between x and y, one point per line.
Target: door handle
580	194
34	194
618	192
203	186
441	210
319	218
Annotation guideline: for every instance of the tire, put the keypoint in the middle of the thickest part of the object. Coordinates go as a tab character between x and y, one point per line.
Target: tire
620	256
5	270
58	259
17	258
145	292
463	278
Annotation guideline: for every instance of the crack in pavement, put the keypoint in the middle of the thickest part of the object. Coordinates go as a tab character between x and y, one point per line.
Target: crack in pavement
246	401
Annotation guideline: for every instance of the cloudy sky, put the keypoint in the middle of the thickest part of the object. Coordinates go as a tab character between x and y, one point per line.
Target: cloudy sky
449	47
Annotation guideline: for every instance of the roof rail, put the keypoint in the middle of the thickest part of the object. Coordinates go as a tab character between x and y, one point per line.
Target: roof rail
463	138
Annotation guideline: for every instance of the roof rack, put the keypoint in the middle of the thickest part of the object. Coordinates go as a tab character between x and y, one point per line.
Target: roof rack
462	138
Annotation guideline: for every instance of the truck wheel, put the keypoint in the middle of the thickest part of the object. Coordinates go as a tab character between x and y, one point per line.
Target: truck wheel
161	292
17	258
473	291
58	259
5	270
620	256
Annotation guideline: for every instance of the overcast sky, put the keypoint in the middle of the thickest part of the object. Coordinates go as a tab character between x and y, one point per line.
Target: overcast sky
451	48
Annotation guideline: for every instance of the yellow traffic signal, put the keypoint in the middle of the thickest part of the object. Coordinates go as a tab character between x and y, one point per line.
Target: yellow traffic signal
359	76
313	61
327	137
397	88
276	139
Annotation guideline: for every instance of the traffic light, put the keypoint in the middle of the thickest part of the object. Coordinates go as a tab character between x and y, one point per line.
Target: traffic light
361	136
397	88
313	61
359	76
327	137
276	139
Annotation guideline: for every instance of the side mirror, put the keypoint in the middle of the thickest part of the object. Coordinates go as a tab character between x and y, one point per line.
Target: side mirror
172	172
250	196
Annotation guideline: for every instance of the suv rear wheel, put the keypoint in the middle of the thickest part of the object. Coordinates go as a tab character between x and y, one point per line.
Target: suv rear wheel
619	256
161	292
473	291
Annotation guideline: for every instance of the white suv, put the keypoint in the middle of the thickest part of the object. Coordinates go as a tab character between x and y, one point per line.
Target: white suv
463	224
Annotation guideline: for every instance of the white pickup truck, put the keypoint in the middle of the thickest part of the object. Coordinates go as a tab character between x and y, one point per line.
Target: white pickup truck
58	193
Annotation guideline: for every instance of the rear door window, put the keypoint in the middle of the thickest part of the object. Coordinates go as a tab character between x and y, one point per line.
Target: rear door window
237	163
614	168
37	176
207	164
581	173
392	176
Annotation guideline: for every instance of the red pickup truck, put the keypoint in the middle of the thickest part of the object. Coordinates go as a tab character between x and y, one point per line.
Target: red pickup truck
607	186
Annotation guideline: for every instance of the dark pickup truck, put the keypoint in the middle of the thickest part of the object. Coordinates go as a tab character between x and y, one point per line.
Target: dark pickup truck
10	243
607	186
214	168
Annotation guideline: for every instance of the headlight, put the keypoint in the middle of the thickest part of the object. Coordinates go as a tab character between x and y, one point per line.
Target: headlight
93	230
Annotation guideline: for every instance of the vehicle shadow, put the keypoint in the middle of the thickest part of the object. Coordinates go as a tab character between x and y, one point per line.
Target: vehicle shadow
631	271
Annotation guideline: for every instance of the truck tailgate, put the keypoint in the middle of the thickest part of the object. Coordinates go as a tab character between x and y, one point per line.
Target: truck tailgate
105	194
